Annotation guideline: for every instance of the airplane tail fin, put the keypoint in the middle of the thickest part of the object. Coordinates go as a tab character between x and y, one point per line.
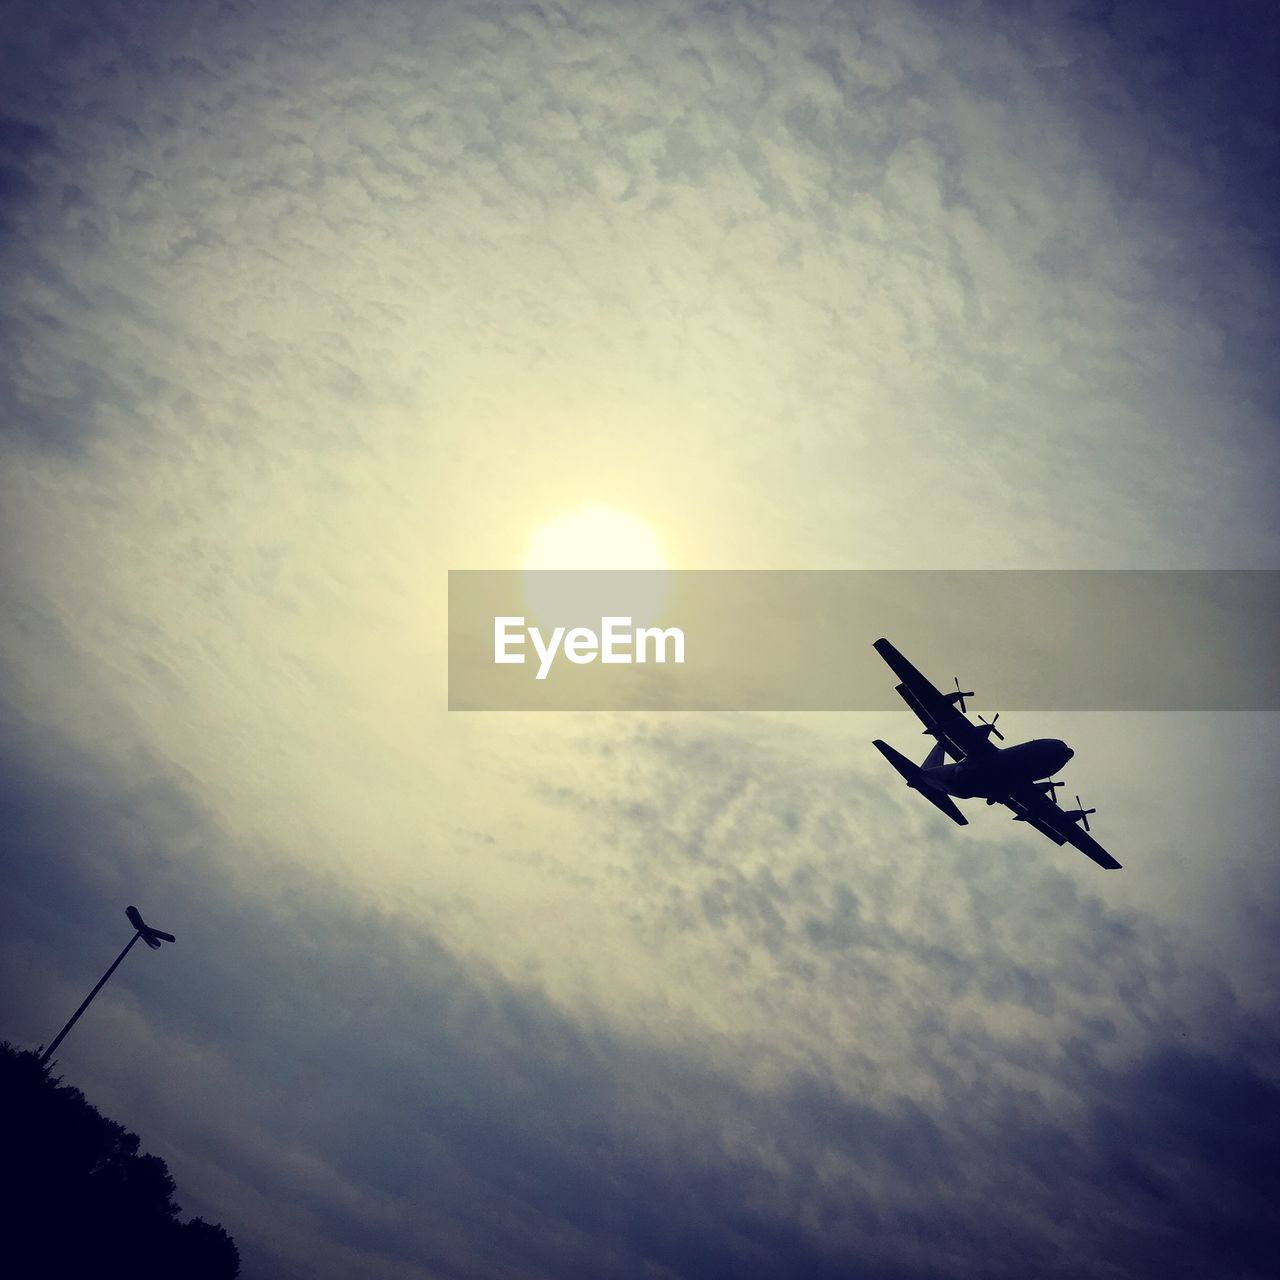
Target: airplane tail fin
935	757
915	780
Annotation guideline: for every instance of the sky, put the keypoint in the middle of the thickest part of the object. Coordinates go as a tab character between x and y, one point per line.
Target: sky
306	304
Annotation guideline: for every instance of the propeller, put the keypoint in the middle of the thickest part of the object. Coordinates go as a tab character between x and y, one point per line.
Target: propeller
960	695
1081	813
1052	789
992	731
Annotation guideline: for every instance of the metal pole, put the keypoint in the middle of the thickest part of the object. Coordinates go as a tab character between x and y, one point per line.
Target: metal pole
48	1053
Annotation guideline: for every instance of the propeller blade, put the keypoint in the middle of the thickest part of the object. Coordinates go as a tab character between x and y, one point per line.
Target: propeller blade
1082	813
992	731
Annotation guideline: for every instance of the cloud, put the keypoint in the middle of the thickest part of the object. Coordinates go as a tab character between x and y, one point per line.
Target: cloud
915	238
305	306
376	1096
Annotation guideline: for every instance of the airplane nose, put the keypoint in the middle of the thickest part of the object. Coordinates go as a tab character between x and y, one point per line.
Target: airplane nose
1067	753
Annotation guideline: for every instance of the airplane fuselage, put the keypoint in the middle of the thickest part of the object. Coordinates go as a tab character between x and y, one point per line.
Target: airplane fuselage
993	776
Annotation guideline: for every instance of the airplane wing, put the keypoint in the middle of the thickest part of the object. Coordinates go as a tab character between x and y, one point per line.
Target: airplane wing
940	717
1035	808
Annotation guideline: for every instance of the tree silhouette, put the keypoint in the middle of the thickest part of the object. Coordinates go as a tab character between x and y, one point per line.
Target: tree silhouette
76	1197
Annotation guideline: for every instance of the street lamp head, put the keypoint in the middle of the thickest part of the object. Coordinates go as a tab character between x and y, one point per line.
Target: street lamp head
152	937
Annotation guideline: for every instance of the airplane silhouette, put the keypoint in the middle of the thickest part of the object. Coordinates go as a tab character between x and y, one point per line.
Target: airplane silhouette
1018	777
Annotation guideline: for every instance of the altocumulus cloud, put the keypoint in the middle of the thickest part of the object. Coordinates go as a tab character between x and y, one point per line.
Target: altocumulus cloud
367	1097
305	303
986	249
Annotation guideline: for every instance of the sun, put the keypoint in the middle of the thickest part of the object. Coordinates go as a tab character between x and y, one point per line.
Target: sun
627	576
595	538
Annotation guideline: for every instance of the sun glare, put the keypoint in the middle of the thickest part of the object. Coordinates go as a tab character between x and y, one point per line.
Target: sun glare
601	540
595	538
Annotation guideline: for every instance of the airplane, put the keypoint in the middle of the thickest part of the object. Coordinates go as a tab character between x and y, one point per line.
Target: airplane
152	937
1018	777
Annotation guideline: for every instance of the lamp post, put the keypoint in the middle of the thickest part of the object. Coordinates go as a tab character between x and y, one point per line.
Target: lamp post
152	937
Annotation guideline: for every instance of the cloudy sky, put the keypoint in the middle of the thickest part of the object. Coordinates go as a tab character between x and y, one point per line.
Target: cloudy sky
305	304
